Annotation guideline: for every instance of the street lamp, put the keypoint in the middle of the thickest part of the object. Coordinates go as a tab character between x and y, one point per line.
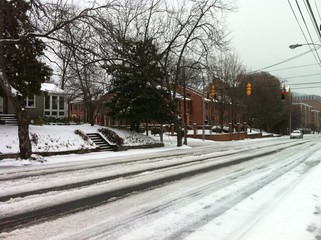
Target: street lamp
293	46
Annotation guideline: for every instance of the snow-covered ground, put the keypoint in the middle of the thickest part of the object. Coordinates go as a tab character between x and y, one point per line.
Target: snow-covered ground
59	138
287	206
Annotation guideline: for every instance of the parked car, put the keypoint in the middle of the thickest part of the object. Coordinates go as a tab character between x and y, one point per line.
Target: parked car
296	134
218	129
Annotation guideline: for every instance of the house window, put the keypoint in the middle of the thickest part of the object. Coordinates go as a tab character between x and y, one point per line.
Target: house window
30	101
54	106
54	102
61	103
47	103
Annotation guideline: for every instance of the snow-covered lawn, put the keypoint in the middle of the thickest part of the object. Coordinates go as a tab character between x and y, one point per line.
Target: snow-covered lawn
61	138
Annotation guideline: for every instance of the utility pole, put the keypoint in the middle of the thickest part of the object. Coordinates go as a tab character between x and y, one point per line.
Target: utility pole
203	111
185	112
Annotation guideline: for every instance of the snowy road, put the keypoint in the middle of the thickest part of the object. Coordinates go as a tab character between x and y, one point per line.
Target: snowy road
167	195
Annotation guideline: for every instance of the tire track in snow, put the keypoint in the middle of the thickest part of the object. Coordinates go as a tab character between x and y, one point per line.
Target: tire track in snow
97	180
20	173
58	210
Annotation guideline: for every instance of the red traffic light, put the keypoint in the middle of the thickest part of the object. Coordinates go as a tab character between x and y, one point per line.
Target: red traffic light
283	94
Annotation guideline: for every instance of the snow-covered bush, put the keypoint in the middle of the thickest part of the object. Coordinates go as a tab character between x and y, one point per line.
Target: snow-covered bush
34	138
82	135
112	136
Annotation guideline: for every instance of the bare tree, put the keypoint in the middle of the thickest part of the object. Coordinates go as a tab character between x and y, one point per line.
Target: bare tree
226	69
182	30
264	106
196	27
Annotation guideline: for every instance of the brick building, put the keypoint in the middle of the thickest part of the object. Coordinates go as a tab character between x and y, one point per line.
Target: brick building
306	111
313	100
194	108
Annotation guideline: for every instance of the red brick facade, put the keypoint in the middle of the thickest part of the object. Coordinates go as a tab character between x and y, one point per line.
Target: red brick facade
194	106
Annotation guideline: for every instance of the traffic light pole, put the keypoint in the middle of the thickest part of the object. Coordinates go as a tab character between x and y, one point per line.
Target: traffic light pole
290	120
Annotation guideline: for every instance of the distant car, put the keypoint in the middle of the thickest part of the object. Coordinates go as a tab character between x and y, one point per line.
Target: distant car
296	134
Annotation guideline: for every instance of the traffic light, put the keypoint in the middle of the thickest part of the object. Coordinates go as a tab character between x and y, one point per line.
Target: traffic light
283	94
248	89
212	90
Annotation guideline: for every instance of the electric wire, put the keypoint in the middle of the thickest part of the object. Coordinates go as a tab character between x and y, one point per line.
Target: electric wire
298	22
297	88
316	7
308	31
316	47
293	67
306	83
314	23
284	61
308	75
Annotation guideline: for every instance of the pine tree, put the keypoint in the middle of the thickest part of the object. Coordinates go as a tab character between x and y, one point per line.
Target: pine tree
137	79
20	63
23	67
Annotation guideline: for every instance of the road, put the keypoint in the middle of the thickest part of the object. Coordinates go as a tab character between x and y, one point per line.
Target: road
167	195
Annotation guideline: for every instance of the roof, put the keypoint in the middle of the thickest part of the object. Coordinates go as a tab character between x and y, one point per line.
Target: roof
51	88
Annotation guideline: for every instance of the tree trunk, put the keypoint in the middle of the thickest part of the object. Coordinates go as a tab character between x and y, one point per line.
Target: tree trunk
185	111
23	133
90	114
146	128
178	129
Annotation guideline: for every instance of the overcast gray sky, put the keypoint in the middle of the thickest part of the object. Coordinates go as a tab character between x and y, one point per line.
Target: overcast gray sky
261	32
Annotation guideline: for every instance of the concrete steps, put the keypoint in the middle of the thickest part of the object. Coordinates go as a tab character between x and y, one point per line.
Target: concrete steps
100	141
8	119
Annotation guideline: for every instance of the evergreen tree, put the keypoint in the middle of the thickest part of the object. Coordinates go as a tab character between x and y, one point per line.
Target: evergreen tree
23	67
20	65
137	80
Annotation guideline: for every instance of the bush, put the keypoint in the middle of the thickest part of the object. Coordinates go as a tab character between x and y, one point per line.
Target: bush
217	129
82	135
155	131
34	138
38	121
57	120
112	136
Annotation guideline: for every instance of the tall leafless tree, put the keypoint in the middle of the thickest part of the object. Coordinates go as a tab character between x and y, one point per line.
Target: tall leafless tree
264	106
182	30
226	68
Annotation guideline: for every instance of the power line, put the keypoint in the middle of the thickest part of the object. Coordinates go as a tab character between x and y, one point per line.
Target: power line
307	83
296	88
316	6
315	24
299	55
308	75
316	55
301	66
298	22
284	61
